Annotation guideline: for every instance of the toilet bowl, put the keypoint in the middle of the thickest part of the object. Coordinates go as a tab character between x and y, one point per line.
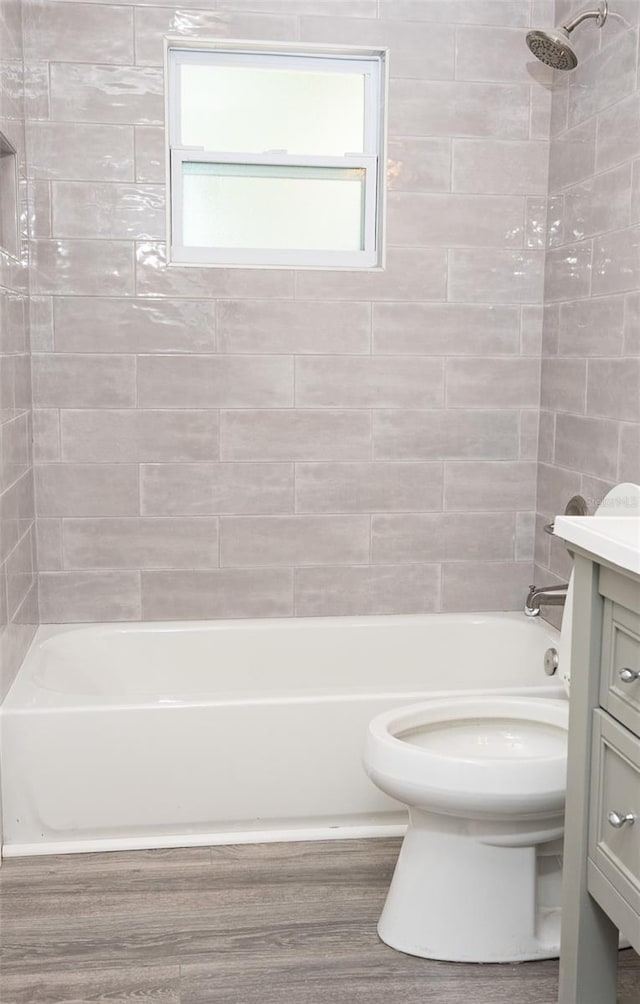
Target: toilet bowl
479	873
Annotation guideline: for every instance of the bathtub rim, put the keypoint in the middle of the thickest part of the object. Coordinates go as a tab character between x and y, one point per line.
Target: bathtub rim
25	686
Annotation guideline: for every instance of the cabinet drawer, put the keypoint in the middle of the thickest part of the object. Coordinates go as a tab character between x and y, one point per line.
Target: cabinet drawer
619	686
615	778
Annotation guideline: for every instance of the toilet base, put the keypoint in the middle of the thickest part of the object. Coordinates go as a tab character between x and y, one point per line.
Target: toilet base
459	898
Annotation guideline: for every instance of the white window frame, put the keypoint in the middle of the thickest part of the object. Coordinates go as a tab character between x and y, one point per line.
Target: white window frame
370	62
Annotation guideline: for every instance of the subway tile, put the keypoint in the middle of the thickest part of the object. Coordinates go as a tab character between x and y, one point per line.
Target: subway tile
41	323
215	381
489	486
454	220
589	445
604	78
443	435
495	275
369	382
559	118
19	569
416	164
629	453
367	590
616	262
84	381
458	109
108	210
139	436
46	435
83	92
635	193
368	487
15	449
497	12
220	593
531	330
572	156
153	23
295	435
556	486
79	33
78	151
591	327
631	345
49	544
417	50
293	326
493	383
13	321
37	98
479	585
593	491
618	137
546	437
540	117
529	433
208	489
272	541
111	324
357	8
17	509
598	204
39	209
140	542
154	278
496	54
613	388
525	536
564	385
500	167
539	230
407	537
86	489
568	272
550	329
150	154
82	267
89	596
410	274
445	329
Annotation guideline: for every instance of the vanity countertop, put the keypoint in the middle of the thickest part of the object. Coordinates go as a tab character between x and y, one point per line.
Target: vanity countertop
616	539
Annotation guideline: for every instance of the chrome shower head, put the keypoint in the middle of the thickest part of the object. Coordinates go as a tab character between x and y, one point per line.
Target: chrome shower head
554	47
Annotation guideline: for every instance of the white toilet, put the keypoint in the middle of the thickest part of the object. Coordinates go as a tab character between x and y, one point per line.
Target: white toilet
479	874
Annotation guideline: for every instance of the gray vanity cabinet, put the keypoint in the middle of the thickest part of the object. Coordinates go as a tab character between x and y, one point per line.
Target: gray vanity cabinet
601	883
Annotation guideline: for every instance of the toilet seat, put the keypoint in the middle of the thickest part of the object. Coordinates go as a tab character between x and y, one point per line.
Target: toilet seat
409	755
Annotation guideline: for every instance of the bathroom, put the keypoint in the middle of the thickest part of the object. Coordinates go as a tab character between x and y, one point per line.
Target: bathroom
196	443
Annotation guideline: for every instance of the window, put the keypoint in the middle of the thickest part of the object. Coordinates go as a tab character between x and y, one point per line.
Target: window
275	158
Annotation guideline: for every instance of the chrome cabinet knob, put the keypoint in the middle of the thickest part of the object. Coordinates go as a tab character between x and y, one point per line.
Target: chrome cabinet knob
629	675
617	820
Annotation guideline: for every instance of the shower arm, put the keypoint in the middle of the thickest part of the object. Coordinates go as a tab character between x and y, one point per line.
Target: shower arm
600	14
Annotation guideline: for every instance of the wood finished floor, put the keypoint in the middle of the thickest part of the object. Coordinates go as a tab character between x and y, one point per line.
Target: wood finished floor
253	924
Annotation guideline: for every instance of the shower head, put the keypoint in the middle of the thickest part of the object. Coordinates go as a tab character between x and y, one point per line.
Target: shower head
554	47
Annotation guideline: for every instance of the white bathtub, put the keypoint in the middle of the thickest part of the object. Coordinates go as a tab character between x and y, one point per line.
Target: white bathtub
155	735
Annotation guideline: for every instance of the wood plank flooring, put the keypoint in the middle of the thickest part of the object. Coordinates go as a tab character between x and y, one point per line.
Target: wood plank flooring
253	924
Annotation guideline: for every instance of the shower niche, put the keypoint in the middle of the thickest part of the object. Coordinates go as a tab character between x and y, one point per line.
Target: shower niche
8	198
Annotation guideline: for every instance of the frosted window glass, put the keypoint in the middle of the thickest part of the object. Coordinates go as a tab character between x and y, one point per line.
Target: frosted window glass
255	110
283	208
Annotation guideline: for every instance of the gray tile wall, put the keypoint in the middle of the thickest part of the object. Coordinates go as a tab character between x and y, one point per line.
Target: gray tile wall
590	392
229	442
18	588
